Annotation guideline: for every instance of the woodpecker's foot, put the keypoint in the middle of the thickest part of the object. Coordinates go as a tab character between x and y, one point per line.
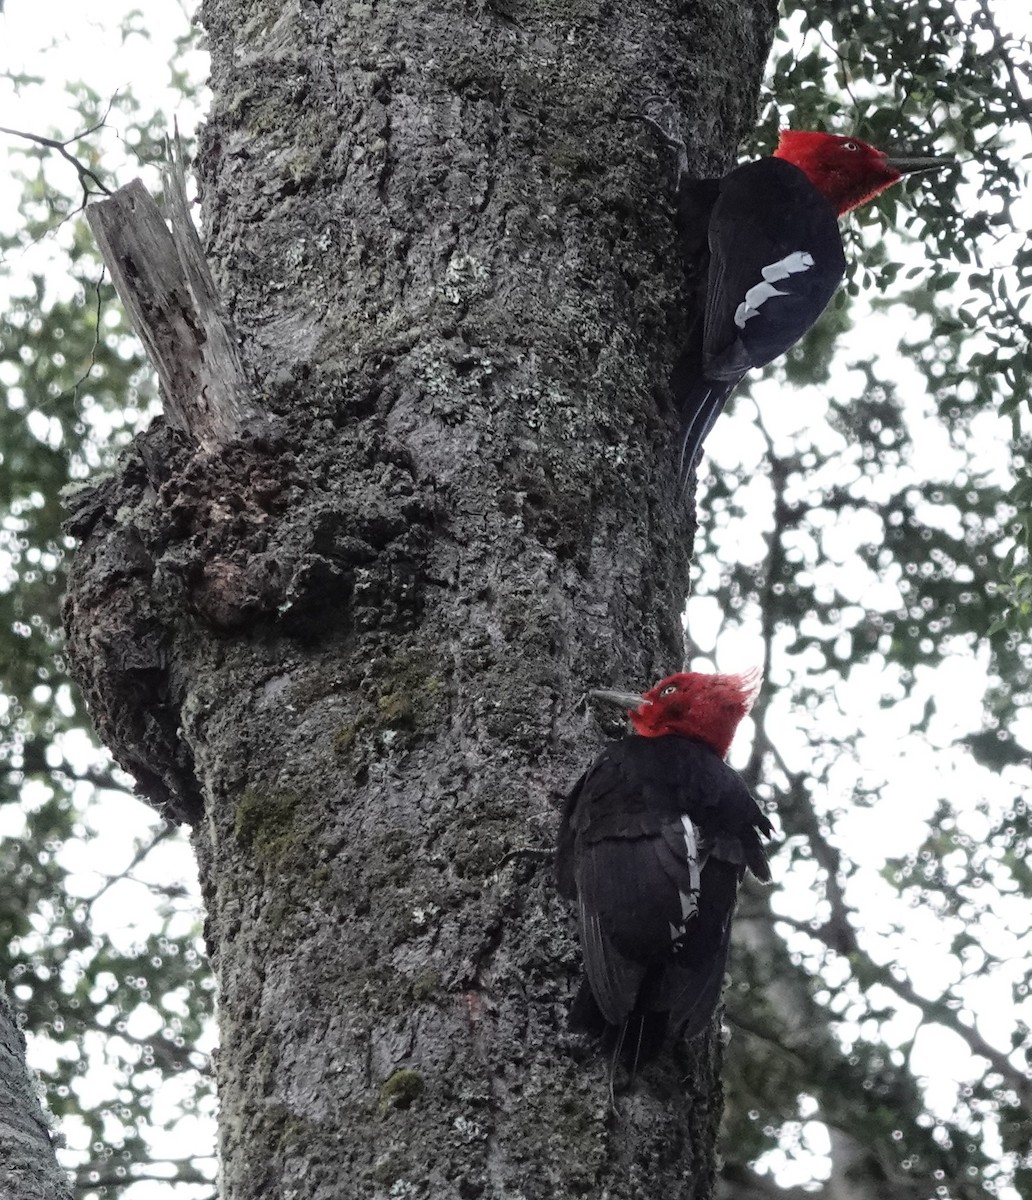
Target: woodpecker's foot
663	119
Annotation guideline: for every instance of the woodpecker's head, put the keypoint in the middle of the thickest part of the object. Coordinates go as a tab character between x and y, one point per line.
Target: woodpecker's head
845	170
707	707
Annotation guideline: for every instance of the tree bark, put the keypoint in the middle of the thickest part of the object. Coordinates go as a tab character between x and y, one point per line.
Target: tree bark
352	651
28	1166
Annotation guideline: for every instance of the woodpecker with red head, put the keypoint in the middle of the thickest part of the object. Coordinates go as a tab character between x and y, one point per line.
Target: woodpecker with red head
764	256
655	838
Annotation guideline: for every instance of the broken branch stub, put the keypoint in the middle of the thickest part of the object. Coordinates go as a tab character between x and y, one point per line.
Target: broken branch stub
166	287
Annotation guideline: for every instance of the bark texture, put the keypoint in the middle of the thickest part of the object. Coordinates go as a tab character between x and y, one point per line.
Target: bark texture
28	1166
353	651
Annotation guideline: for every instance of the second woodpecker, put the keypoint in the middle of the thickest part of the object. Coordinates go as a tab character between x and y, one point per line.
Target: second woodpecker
655	838
764	257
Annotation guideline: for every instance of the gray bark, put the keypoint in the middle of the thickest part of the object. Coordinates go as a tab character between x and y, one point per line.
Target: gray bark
352	651
28	1166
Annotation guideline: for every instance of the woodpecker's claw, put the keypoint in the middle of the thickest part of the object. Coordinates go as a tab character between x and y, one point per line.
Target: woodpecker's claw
666	128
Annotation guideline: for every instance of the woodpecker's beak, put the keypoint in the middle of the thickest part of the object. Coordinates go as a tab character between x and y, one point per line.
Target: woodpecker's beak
621	699
908	165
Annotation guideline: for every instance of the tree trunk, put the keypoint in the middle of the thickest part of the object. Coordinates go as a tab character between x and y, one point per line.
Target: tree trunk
27	1163
352	647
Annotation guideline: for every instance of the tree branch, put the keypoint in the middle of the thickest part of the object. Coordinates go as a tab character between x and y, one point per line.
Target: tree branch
1021	105
82	170
141	853
936	1011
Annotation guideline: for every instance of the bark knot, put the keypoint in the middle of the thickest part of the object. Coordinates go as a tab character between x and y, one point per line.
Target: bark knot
183	545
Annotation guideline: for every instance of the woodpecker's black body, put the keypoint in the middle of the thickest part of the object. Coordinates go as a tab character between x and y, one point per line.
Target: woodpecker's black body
768	264
655	839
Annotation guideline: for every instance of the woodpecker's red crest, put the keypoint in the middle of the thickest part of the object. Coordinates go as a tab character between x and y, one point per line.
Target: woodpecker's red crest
845	170
707	707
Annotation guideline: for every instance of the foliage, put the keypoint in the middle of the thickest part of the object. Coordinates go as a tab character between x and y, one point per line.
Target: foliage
869	561
924	73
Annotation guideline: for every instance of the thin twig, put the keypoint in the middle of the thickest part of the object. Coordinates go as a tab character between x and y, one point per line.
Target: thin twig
82	170
74	389
931	1010
141	853
1000	46
845	64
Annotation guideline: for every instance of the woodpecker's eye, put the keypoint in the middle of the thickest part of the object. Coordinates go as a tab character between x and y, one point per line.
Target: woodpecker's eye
850	146
669	689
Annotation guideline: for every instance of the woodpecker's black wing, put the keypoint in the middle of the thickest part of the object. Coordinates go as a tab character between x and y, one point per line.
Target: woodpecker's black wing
655	838
775	261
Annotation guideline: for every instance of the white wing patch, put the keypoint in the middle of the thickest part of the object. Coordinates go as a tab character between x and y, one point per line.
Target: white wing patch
792	264
689	900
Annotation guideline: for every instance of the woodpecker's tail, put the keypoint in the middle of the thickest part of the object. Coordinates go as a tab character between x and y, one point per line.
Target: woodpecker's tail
637	1041
634	1042
701	406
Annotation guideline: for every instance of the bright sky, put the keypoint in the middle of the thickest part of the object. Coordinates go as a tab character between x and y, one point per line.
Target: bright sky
88	46
83	43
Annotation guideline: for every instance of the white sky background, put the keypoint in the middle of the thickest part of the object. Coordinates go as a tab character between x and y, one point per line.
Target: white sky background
88	46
